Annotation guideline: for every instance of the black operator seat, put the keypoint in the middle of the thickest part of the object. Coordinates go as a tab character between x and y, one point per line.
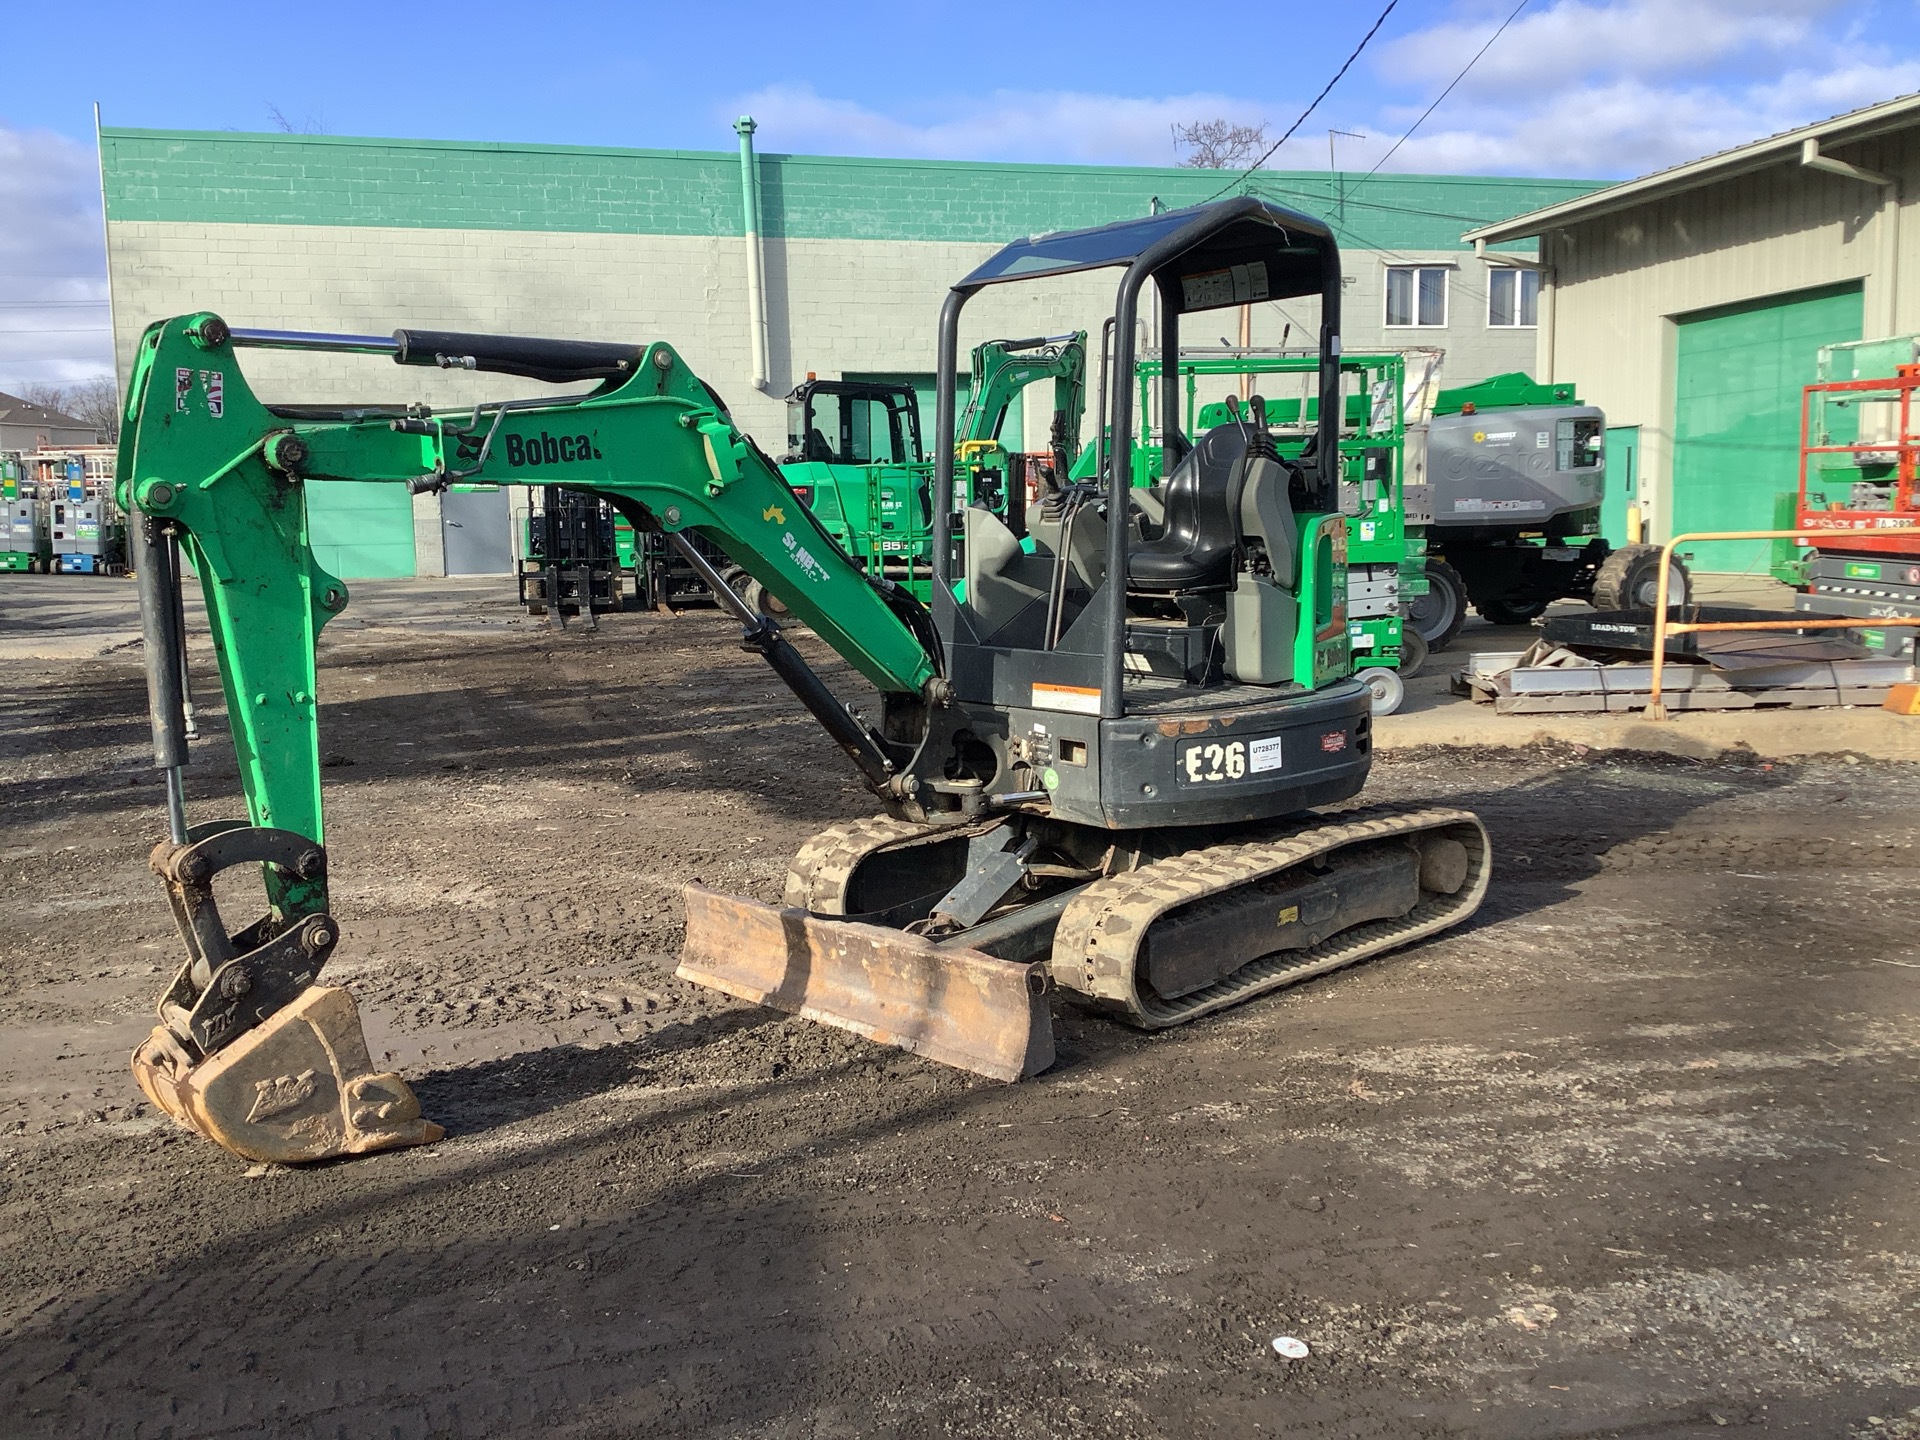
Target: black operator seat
1200	537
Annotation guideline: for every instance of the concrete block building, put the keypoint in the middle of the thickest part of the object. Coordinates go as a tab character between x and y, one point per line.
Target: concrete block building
855	255
1691	304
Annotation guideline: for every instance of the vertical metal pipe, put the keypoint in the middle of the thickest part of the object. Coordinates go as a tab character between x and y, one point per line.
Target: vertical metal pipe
1169	367
756	288
1330	406
189	726
1100	448
1548	332
1113	700
946	381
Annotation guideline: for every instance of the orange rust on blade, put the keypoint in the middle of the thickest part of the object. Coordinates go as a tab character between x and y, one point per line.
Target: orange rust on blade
1175	728
957	1006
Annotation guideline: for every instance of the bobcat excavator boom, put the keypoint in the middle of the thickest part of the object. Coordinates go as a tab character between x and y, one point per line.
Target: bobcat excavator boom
1097	754
248	1051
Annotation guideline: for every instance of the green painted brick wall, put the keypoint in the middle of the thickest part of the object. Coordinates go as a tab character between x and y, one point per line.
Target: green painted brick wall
220	176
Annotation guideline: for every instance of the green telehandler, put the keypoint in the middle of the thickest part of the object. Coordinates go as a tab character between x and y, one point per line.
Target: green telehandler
1097	759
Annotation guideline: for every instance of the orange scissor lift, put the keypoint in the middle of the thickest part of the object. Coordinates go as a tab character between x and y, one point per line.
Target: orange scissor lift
1859	474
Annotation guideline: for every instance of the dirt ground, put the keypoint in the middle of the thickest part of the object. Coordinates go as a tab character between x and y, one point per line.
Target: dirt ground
1633	1154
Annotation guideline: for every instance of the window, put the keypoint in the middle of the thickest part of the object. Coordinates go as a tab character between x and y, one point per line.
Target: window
1416	295
849	423
1513	297
1578	445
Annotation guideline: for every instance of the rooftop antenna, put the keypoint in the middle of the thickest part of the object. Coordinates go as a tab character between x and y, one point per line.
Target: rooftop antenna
1334	170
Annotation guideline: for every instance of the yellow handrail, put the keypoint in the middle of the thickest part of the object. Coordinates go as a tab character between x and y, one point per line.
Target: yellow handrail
1663	627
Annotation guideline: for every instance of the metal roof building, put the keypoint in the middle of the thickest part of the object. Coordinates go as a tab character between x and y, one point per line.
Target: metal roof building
1690	304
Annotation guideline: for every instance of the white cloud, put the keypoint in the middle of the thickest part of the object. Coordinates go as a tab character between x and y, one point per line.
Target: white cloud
1586	87
1598	88
1553	44
53	319
1062	126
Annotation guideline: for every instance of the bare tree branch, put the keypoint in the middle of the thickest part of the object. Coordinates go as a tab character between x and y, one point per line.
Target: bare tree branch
1217	144
94	402
309	126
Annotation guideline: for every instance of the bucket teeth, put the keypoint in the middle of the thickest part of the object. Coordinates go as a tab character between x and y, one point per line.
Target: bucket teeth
299	1086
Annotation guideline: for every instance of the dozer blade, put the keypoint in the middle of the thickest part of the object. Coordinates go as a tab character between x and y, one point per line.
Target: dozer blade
953	1005
298	1086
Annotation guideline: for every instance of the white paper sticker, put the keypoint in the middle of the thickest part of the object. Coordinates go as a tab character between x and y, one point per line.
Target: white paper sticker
1233	285
1080	699
1264	754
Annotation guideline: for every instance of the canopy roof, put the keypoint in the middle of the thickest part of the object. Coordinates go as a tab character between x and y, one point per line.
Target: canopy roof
1228	252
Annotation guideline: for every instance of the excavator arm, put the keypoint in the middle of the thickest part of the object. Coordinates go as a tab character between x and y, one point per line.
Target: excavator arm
1002	369
219	481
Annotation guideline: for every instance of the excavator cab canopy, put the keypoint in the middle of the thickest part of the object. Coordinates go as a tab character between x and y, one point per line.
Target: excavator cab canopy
853	422
1237	237
1240	251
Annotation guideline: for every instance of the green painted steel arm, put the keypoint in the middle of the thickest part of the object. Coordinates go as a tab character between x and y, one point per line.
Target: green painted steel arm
231	475
1002	369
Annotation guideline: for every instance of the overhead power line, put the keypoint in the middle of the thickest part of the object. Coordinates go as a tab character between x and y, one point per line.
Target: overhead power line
1446	92
1241	178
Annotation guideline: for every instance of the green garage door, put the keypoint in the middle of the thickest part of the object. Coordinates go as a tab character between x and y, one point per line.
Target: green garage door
360	531
1736	433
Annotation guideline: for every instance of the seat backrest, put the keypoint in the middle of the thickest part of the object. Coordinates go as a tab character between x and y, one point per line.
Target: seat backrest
1201	531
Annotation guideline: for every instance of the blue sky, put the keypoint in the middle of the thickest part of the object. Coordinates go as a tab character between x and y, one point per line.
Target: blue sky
1597	88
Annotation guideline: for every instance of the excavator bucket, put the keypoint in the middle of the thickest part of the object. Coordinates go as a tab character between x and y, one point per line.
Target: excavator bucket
299	1086
954	1005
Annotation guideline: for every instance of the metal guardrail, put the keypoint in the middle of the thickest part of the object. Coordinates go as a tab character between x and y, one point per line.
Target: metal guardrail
1663	625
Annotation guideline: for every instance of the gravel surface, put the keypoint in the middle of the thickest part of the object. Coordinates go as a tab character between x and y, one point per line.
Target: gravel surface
1632	1154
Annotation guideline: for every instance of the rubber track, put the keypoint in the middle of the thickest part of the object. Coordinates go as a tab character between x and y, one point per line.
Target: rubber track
1096	949
822	868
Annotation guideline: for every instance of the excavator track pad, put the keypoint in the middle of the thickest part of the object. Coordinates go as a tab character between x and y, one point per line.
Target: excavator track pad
947	1002
298	1086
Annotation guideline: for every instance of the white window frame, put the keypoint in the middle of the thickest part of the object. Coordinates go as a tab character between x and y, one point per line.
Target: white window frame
1446	297
1518	309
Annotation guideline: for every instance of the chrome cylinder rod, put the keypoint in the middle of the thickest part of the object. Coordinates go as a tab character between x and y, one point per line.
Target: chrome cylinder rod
315	340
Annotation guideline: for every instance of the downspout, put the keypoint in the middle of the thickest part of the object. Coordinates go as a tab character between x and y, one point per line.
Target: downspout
756	287
1812	159
106	242
1549	316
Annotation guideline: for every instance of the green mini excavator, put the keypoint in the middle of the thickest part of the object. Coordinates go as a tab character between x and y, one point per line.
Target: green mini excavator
1097	755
